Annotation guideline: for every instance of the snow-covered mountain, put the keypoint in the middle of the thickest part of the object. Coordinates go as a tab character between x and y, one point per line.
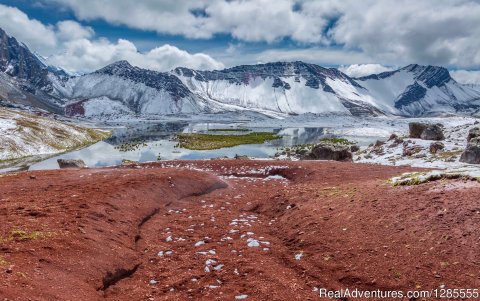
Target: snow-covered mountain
282	87
420	90
24	78
273	89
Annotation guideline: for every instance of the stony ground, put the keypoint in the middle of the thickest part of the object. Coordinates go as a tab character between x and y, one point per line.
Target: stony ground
232	230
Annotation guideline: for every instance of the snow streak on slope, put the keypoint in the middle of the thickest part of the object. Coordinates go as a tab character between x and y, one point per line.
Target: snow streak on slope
290	88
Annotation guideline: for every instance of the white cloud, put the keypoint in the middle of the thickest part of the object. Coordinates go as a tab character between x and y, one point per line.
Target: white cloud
85	55
248	20
71	30
75	48
37	35
444	32
358	70
466	77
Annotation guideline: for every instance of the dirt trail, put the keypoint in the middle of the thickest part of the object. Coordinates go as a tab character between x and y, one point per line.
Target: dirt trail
227	230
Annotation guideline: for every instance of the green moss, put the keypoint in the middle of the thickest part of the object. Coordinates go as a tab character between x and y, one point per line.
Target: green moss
337	141
229	130
208	141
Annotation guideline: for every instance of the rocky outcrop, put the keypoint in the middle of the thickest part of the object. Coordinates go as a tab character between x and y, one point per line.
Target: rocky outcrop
473	133
63	163
471	154
327	151
426	131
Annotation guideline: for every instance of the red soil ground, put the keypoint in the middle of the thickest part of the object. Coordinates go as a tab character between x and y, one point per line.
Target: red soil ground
96	234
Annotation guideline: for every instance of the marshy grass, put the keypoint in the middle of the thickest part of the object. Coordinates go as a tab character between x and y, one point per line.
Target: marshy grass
229	130
334	140
208	141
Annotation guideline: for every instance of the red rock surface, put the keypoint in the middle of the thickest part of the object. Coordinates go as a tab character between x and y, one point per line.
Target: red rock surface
96	234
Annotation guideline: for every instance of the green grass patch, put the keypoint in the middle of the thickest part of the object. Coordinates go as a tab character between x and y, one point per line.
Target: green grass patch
208	141
337	141
229	130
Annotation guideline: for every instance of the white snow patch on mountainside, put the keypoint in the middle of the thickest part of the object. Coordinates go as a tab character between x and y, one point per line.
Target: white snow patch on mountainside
29	135
259	94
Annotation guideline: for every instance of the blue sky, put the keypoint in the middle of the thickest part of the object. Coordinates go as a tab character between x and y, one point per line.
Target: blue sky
361	37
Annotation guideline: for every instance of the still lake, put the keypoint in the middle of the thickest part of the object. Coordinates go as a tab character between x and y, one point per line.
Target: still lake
153	141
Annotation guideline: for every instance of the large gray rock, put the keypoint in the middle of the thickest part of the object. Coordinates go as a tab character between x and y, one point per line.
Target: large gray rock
471	154
426	131
416	129
473	133
63	163
433	132
326	151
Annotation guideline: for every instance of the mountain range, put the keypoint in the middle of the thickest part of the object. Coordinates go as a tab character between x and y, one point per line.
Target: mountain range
276	89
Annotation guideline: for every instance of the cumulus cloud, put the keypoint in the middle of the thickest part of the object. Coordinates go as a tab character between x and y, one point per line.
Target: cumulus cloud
74	47
86	55
248	20
466	77
71	30
37	35
358	70
444	32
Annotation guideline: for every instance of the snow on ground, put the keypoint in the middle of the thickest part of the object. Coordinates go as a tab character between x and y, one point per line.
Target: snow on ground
24	135
455	131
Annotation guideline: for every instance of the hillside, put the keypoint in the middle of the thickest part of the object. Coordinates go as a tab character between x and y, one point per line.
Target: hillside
174	230
25	135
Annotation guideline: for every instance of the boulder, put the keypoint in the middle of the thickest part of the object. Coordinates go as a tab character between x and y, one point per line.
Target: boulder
426	131
473	133
241	157
471	154
326	151
436	146
416	129
64	163
433	132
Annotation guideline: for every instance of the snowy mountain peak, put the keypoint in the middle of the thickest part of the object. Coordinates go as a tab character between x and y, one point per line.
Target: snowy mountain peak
416	90
17	61
116	68
312	75
432	76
